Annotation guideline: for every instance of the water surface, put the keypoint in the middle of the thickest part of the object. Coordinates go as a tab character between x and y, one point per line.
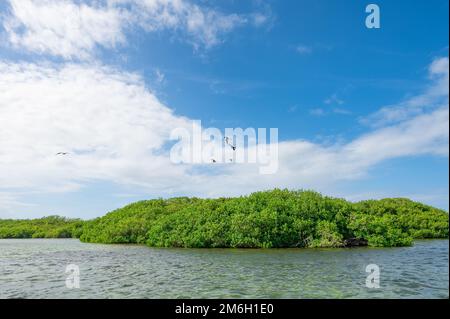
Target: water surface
35	268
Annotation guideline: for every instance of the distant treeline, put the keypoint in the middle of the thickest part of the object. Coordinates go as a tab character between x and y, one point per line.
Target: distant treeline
47	227
278	218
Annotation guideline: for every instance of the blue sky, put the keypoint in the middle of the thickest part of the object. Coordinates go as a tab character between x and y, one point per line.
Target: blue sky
332	87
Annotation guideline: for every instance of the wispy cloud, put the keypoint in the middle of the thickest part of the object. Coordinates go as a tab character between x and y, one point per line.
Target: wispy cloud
334	99
325	112
160	77
64	28
9	202
317	112
435	96
76	29
229	86
303	49
341	111
307	49
116	130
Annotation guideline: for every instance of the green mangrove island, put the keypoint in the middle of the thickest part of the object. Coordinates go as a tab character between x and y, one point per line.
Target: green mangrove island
269	219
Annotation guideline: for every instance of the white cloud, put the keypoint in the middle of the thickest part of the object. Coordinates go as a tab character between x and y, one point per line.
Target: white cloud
423	134
116	129
64	28
435	96
303	164
107	120
72	29
203	25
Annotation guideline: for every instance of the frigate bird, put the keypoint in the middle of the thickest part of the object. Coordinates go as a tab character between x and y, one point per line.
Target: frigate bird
227	141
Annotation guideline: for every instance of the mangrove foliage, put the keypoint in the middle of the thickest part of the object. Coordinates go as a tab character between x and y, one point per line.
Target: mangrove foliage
270	219
47	227
278	218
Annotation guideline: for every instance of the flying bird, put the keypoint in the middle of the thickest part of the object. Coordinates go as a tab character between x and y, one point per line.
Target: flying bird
227	141
62	153
213	160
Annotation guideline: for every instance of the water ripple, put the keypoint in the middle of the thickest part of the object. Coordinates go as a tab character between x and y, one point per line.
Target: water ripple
36	269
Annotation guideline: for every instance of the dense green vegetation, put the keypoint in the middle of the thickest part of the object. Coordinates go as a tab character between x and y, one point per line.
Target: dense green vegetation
278	218
47	227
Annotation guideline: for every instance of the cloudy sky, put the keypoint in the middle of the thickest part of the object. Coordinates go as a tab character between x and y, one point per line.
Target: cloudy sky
361	113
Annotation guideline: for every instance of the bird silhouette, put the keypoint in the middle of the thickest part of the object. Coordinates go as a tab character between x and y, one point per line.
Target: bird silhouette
227	141
62	153
213	160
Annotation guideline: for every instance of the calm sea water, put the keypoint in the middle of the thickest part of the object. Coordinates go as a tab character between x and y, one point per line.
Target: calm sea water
35	268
